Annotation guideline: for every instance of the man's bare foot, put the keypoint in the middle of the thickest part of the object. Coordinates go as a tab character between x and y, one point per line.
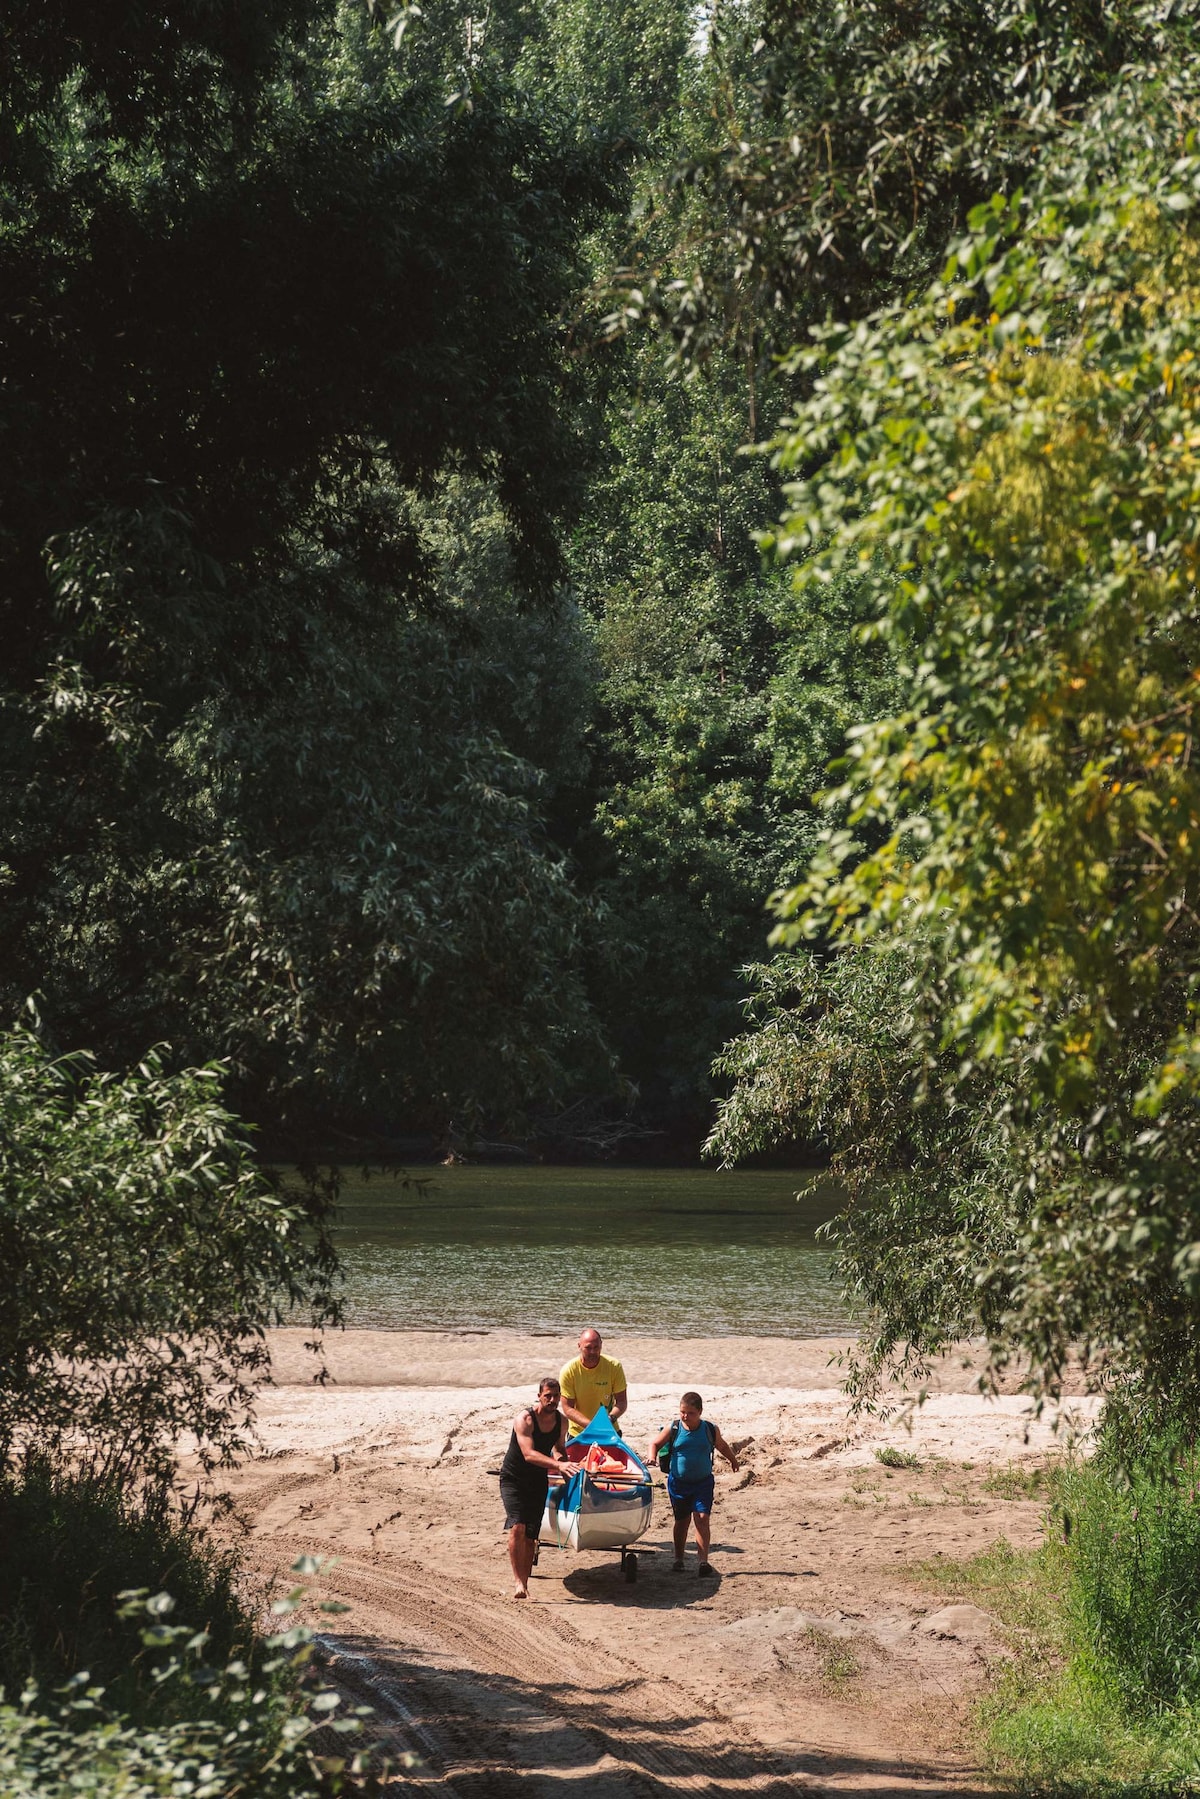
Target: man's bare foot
521	1593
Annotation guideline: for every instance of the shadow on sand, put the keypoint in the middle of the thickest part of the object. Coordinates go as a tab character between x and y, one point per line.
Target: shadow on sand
492	1736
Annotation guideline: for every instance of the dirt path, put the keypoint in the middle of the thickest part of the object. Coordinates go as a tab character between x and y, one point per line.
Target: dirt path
813	1664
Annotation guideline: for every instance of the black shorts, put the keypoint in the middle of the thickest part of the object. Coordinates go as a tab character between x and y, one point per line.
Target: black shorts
524	1505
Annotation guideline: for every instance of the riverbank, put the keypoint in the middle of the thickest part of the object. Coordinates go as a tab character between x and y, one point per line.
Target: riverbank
480	1358
817	1661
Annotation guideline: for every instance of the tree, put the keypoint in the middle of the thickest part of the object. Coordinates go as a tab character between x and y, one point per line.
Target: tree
842	1054
680	824
145	1254
850	139
266	294
1008	464
720	707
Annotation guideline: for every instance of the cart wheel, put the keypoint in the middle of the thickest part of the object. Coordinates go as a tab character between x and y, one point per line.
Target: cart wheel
629	1565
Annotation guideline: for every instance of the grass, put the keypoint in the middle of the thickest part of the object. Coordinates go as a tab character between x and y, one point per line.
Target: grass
1044	1731
897	1458
1067	1739
1016	1482
1102	1696
864	1492
1021	1586
961	1496
837	1661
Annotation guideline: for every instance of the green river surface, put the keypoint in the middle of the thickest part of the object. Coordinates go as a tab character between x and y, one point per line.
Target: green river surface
657	1252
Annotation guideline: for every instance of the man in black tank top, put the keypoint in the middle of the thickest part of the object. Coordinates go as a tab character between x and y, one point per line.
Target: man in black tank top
535	1451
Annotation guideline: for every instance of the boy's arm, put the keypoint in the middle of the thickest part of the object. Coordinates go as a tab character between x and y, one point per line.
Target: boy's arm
658	1442
720	1443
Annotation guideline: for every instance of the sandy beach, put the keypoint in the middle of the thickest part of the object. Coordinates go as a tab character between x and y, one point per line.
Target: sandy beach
817	1661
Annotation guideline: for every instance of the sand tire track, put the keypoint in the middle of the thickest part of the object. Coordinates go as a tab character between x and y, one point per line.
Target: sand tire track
665	1741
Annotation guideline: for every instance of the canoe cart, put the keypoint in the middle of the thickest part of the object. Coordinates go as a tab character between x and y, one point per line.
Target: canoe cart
606	1502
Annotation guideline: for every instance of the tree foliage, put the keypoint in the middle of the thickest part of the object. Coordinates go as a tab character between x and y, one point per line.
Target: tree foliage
841	1053
145	1254
267	295
1007	464
721	700
850	139
711	720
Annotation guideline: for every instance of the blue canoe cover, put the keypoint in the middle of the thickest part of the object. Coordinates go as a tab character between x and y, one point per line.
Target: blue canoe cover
600	1430
603	1430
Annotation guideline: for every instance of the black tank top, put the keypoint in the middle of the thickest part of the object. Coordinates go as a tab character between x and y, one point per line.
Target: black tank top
514	1465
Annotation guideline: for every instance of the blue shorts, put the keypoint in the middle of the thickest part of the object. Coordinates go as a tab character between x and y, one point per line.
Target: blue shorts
688	1496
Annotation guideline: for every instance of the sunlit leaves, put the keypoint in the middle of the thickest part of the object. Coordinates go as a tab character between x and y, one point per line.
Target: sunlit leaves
856	135
144	1254
1008	464
1023	502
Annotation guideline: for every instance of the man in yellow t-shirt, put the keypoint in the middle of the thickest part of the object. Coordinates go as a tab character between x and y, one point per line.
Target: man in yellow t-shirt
589	1382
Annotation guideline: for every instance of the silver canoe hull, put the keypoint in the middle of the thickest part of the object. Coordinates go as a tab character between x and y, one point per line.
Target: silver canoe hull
605	1517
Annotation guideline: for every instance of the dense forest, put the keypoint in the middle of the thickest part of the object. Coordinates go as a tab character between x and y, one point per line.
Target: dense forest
398	707
584	577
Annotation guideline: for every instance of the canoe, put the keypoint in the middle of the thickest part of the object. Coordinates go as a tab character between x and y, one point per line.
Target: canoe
606	1502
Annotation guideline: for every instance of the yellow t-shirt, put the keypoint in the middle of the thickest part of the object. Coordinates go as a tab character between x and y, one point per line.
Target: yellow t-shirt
587	1389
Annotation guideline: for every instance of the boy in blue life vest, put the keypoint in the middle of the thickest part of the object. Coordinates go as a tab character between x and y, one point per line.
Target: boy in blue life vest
689	1442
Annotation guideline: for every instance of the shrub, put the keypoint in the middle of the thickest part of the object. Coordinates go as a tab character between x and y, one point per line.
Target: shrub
219	1729
102	1693
69	1546
1134	1534
144	1254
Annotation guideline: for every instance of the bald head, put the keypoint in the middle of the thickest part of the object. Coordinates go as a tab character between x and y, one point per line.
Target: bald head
589	1347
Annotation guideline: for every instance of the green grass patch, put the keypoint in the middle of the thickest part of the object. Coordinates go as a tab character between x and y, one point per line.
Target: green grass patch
897	1458
1017	1482
838	1663
1102	1696
1021	1587
1065	1737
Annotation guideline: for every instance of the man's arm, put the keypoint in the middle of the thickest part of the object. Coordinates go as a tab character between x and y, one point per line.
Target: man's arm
523	1425
720	1443
617	1404
572	1410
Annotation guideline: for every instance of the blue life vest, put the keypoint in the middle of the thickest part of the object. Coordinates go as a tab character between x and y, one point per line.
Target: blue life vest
692	1452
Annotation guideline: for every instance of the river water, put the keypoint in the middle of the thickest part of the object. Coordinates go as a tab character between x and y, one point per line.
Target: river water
661	1252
